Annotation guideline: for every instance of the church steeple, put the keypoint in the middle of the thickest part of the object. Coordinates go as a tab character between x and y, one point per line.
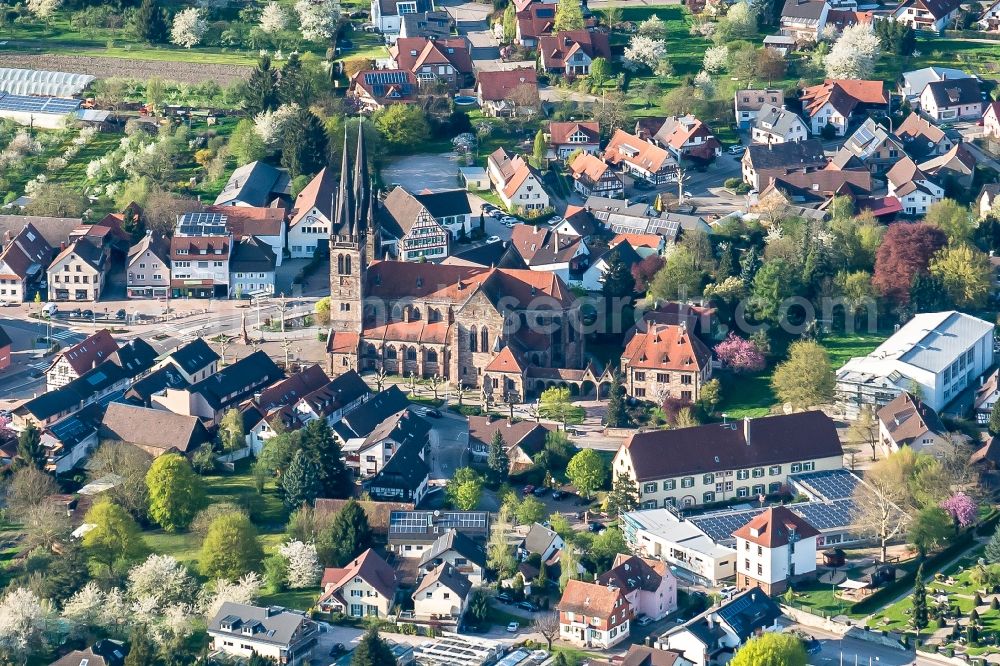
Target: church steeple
344	222
362	187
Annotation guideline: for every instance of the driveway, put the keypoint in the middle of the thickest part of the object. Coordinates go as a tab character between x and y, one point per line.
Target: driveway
449	443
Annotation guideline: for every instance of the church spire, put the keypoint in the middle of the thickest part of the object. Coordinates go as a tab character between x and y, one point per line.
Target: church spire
362	188
344	219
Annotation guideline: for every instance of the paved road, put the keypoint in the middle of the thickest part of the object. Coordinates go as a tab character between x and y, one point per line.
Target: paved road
17	381
449	443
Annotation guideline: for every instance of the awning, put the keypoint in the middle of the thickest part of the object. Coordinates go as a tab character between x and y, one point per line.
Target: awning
853	585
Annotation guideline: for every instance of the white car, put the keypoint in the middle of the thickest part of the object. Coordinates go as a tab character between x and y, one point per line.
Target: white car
508	218
493	239
509	225
513	627
728	591
736	150
687	195
555	219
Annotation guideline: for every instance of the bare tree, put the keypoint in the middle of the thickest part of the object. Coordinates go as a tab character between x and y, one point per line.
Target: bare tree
128	463
864	430
547	624
46	524
223	341
163	208
28	487
436	382
525	99
380	379
877	506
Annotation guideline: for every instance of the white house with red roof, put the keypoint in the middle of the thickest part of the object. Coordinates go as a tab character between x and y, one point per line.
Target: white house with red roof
649	587
775	548
686	136
665	360
934	15
592	176
566	137
312	215
571	52
446	60
517	183
991	120
504	94
78	359
835	101
641	159
366	586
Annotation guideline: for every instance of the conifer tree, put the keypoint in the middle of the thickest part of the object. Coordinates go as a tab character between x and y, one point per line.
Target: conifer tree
919	600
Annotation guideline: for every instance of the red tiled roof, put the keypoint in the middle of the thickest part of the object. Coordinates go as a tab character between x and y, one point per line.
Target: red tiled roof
497	86
245	221
560	132
558	48
505	362
843	95
625	147
317	194
666	347
771	529
591	599
637	240
412	53
369	567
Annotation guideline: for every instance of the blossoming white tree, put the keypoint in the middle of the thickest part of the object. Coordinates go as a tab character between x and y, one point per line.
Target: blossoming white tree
273	18
244	591
21	617
318	20
716	59
303	565
644	52
43	9
189	27
162	579
855	54
653	27
705	85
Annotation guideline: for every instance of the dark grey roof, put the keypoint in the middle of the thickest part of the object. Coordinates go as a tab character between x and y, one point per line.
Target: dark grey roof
251	254
142	391
426	24
792	154
270	625
54	230
446	575
495	254
625	252
193	356
539	539
803	9
255	184
4	338
405	471
402	427
748	612
448	202
772	118
238	380
454	540
952	92
134	357
363	420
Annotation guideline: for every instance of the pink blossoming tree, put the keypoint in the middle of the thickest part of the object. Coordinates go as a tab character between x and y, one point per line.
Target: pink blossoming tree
961	508
740	355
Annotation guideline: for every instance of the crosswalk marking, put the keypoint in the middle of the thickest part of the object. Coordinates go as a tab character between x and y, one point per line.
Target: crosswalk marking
42	365
65	334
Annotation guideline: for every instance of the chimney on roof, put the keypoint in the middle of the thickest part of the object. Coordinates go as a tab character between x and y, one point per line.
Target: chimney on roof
746	429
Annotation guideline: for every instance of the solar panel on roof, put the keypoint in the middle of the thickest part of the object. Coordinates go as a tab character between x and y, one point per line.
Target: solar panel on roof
828	485
385	77
28	104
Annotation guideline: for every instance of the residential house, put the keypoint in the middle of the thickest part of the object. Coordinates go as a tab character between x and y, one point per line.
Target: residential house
571	52
643	244
804	20
199	256
687	137
210	397
748	103
907	421
914	189
838	102
640	655
565	137
991	120
374	89
155	431
523	440
386	15
258	185
621	217
312	216
660	534
69	442
941	352
592	176
445	61
78	273
649	587
641	159
382	444
542	541
988	200
76	360
535	20
194	360
278	401
932	15
266	224
507	93
986	396
411	231
274	633
593	615
458	551
777	125
412	533
921	139
577	221
360	422
665	360
957	167
105	652
774	550
912	83
442	594
430	25
141	392
366	586
546	250
518	184
377	512
761	163
593	277
875	146
251	268
403	479
148	268
950	100
23	259
703	464
989	20
716	634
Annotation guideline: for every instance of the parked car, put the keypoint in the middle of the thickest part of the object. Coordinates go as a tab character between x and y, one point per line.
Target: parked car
509	225
558	494
513	627
505	597
120	314
76	313
526	606
528	489
493	239
336	649
87	314
687	195
508	218
4	303
556	219
644	620
736	150
728	591
596	527
539	492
